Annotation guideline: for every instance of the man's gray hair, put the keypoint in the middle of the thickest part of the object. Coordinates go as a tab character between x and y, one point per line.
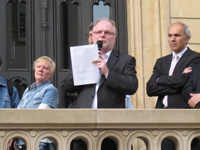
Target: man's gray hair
186	29
106	19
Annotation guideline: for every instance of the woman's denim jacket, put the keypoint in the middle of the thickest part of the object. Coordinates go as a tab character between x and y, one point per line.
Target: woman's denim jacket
34	95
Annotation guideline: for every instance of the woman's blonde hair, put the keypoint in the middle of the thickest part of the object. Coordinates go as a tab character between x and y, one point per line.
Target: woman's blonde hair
45	59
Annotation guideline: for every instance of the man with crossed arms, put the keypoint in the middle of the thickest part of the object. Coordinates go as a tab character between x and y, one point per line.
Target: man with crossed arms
171	73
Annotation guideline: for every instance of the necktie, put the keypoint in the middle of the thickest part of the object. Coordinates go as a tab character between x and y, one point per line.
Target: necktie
171	70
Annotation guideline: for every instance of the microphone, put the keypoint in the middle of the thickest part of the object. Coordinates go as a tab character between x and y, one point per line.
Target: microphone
100	44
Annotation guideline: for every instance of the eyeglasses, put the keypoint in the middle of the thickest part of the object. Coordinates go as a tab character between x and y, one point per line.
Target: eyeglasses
88	35
107	33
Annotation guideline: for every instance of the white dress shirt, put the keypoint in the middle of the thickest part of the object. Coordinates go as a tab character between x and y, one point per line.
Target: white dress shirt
95	101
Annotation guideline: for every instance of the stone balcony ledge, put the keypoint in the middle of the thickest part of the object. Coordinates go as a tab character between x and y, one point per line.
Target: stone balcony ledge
94	125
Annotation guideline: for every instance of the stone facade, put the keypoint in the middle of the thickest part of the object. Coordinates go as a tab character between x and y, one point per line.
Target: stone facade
148	21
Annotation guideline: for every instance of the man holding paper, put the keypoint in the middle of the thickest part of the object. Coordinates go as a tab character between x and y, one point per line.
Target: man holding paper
118	75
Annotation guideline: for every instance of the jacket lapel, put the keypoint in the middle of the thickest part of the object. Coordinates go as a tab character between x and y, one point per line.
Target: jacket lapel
182	60
114	57
168	64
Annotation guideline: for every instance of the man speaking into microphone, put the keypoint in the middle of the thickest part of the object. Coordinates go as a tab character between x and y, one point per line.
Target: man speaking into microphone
118	73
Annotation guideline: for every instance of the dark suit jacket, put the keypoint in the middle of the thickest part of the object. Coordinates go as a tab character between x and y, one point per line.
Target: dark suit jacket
161	84
193	83
121	80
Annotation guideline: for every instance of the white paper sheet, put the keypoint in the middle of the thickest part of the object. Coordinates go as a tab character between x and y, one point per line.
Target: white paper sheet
84	71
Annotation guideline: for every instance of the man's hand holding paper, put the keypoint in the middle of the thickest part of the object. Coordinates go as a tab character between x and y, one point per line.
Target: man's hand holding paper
83	68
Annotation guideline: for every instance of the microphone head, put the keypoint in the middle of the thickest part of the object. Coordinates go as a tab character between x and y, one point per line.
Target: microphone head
100	44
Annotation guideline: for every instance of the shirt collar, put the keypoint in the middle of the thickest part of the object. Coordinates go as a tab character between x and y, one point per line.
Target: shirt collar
2	81
39	86
107	55
180	54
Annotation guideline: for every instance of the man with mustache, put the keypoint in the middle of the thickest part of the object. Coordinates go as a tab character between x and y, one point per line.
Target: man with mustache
118	73
118	78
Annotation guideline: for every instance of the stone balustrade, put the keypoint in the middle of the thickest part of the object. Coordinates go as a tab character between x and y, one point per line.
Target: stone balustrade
93	126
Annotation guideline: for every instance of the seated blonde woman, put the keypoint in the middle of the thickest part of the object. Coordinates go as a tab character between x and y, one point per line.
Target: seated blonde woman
41	94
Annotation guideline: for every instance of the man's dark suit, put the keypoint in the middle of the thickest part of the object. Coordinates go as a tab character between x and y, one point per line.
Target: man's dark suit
193	86
161	84
111	93
193	83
